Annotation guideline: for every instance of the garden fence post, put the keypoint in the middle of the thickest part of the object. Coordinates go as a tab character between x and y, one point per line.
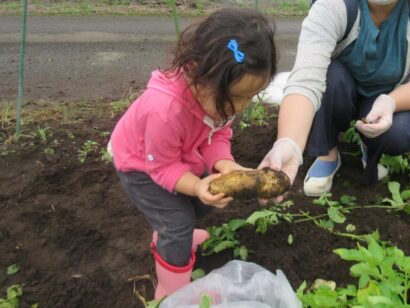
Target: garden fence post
21	67
173	5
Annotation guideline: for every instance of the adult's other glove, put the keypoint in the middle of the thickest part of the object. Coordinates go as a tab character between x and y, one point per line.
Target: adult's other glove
379	119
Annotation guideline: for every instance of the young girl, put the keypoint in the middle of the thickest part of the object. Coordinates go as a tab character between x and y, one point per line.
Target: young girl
178	131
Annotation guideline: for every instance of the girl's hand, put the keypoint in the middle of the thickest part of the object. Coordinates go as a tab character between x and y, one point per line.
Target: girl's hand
225	166
202	192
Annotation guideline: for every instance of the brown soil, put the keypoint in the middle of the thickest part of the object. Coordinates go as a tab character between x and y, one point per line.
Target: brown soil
80	243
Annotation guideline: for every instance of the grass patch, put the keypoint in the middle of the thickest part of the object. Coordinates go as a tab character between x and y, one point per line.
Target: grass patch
39	113
150	7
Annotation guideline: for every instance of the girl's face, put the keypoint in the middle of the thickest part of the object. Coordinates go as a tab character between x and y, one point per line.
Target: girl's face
241	94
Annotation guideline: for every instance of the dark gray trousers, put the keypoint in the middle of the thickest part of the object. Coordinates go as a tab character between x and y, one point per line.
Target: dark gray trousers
340	105
172	215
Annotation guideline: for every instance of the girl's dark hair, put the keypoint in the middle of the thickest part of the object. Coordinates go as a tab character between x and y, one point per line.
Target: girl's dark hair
203	55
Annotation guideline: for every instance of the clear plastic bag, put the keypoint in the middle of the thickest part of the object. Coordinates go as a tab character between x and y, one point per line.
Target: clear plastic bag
237	284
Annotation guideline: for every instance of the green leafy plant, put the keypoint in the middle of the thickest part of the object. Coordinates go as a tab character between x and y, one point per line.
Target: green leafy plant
70	135
225	237
383	274
350	135
49	151
198	273
6	117
272	216
395	164
12	269
335	210
350	228
205	301
256	113
88	147
42	133
399	199
105	156
14	292
152	304
200	6
117	107
324	296
103	134
290	239
336	214
348	200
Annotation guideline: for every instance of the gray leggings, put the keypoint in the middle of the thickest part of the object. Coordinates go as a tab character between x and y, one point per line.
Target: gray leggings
172	215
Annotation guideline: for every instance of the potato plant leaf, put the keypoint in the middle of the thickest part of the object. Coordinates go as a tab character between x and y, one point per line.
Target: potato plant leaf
12	269
198	273
205	301
236	224
241	252
376	301
258	215
350	228
290	239
349	254
372	289
376	251
326	224
13	294
152	304
322	200
224	245
335	215
383	274
222	237
395	164
348	200
262	219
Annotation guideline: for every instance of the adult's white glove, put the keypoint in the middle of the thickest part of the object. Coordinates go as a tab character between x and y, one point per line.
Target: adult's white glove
380	117
285	155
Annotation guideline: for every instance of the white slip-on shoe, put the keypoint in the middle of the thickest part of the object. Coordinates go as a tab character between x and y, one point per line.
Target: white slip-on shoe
319	178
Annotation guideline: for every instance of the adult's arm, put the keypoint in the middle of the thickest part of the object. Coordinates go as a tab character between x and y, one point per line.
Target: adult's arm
401	96
295	119
321	30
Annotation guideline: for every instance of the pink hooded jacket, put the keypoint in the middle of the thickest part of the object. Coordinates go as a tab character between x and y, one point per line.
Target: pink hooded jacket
165	133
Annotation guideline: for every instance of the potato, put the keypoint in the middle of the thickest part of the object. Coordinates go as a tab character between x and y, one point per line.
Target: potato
364	120
262	183
320	282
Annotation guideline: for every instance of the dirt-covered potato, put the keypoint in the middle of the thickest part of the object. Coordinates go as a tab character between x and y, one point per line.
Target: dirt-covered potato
364	120
263	183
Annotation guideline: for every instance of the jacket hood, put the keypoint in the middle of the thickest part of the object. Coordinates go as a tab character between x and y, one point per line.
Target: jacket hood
177	86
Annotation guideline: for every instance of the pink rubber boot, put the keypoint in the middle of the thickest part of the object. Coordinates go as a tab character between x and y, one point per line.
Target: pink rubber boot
170	278
199	236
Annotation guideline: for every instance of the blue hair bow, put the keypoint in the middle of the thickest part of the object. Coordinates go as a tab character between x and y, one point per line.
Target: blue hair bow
237	54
